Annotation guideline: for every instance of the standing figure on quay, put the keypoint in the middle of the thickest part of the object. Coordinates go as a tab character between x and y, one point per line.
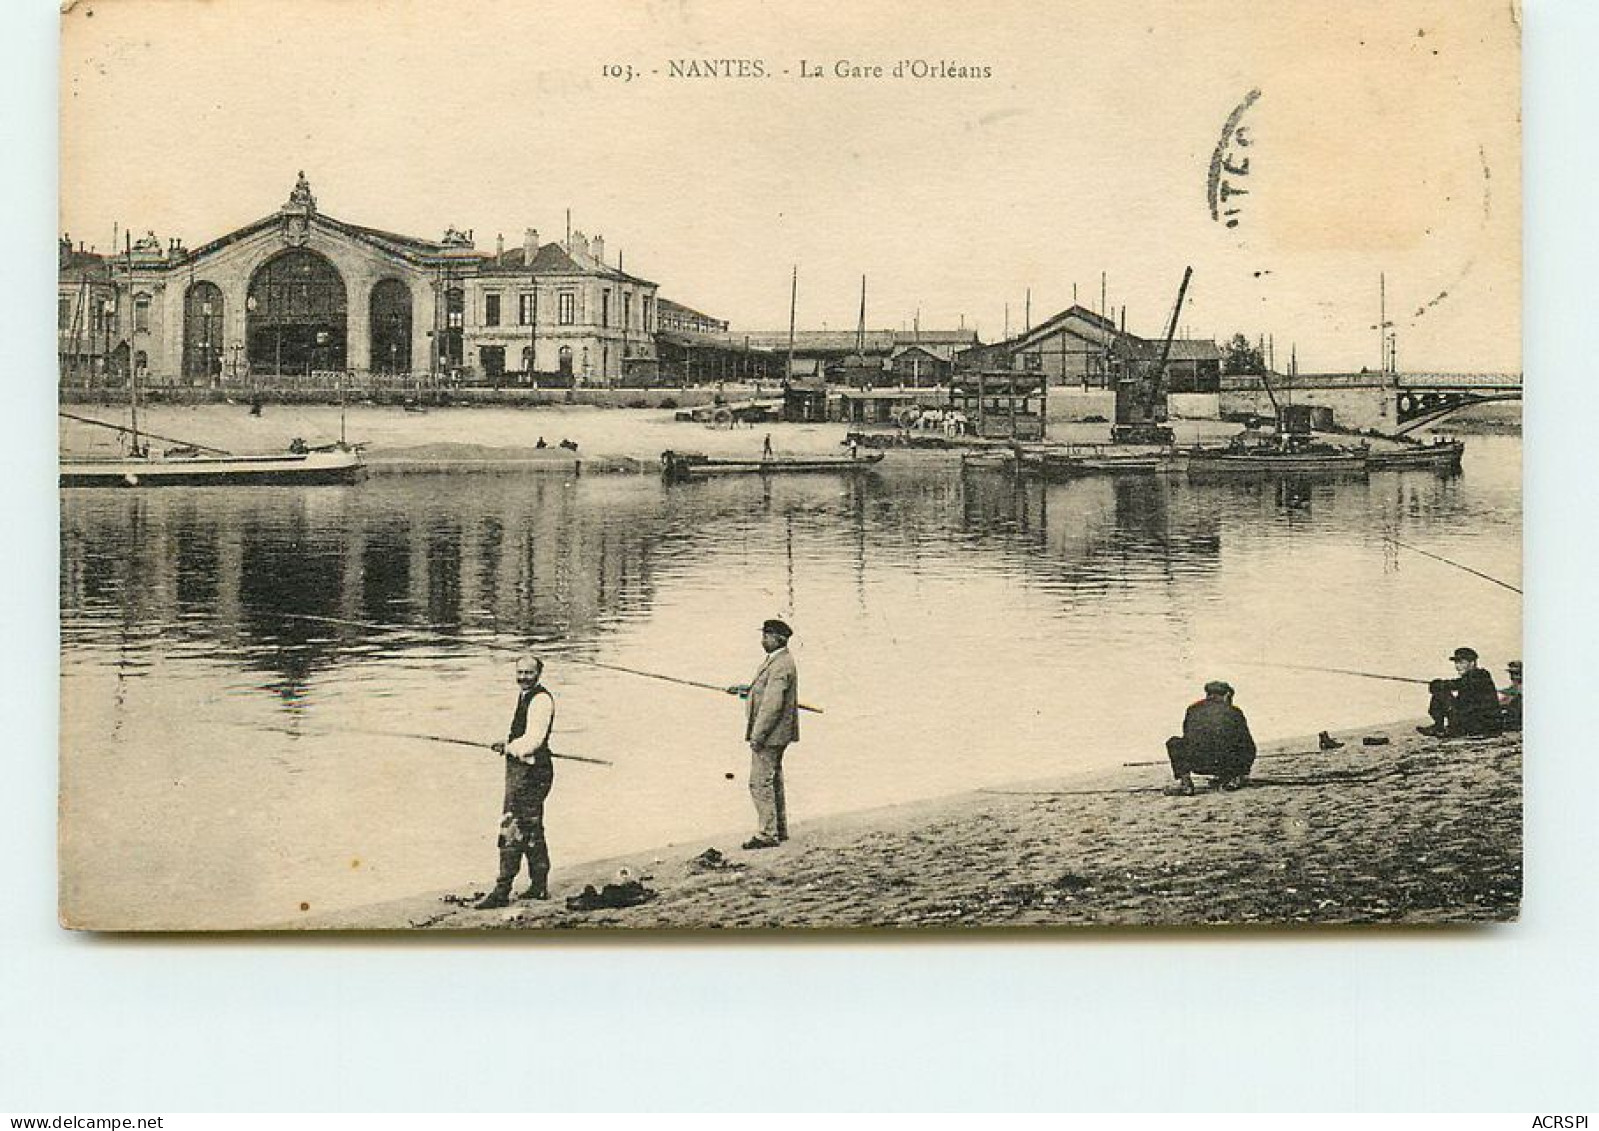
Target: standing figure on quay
529	776
771	724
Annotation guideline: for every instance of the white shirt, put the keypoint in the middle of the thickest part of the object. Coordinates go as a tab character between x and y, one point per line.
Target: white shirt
540	717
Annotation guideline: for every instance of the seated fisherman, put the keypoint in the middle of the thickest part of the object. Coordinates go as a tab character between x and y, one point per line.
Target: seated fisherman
1466	706
1510	698
1215	742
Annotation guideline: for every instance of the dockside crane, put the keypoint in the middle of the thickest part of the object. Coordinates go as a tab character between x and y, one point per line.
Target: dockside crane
1141	394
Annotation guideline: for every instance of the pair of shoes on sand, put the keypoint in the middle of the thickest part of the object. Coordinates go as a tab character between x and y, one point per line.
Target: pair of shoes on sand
1327	741
760	842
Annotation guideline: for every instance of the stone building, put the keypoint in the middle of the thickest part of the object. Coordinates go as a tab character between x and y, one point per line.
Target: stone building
87	331
300	293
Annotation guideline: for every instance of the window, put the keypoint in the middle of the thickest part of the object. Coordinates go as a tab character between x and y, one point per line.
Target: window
526	308
605	308
141	313
566	308
63	313
491	310
649	311
627	308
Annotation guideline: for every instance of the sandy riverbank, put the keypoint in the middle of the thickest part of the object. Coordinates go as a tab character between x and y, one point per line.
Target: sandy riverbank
1415	832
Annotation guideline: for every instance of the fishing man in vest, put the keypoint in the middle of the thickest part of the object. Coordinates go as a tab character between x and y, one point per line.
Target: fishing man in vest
529	774
771	723
1466	706
1215	742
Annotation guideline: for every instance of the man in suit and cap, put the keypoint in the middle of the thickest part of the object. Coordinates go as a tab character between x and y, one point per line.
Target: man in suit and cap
771	723
1215	742
1466	706
529	774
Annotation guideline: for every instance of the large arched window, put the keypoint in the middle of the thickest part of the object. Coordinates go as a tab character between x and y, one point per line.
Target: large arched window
297	314
202	333
391	327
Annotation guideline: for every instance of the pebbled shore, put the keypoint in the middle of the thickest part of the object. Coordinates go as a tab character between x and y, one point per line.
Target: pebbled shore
1417	832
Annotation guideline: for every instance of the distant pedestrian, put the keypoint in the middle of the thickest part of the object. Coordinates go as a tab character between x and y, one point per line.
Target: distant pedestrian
771	725
766	448
1466	706
854	448
529	775
1510	698
1215	742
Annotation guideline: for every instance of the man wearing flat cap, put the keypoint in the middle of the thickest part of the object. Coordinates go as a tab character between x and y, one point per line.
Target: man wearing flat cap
1215	742
1466	706
771	723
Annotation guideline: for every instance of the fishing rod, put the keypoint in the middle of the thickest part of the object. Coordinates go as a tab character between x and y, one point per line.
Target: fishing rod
446	739
1258	757
441	738
1335	671
514	648
1448	561
143	432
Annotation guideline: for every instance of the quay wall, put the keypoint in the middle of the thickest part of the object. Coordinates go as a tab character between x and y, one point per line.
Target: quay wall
464	397
1355	404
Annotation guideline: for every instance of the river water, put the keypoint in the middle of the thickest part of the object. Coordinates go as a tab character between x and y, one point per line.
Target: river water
223	762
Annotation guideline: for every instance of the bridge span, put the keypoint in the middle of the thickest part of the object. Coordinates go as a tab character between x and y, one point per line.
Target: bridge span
1390	402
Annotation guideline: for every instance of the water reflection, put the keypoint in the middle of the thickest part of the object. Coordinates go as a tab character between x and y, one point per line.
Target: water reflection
961	628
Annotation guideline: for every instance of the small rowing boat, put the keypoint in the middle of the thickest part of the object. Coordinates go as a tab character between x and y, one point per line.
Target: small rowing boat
678	466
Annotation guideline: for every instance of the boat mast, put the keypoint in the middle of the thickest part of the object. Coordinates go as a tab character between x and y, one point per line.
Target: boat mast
860	326
133	373
793	302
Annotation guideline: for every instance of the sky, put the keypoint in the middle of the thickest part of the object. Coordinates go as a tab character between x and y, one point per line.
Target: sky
1383	144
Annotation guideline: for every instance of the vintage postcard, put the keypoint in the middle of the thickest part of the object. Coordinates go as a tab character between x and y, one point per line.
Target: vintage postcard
707	465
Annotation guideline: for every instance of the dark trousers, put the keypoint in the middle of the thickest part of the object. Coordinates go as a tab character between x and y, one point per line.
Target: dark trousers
1446	715
1210	763
522	827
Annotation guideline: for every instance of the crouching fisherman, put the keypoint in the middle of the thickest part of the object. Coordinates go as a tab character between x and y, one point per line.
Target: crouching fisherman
529	774
1215	742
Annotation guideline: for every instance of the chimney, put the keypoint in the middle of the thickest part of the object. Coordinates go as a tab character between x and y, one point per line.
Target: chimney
597	249
499	250
530	246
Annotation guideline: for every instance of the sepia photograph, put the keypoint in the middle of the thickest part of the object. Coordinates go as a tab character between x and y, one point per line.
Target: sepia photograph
684	467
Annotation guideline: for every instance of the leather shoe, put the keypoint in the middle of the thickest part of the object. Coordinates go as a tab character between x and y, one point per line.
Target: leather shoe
534	892
499	897
760	842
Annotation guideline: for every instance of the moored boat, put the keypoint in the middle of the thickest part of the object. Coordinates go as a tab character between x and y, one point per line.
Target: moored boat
1068	463
696	465
338	464
1348	461
1441	456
